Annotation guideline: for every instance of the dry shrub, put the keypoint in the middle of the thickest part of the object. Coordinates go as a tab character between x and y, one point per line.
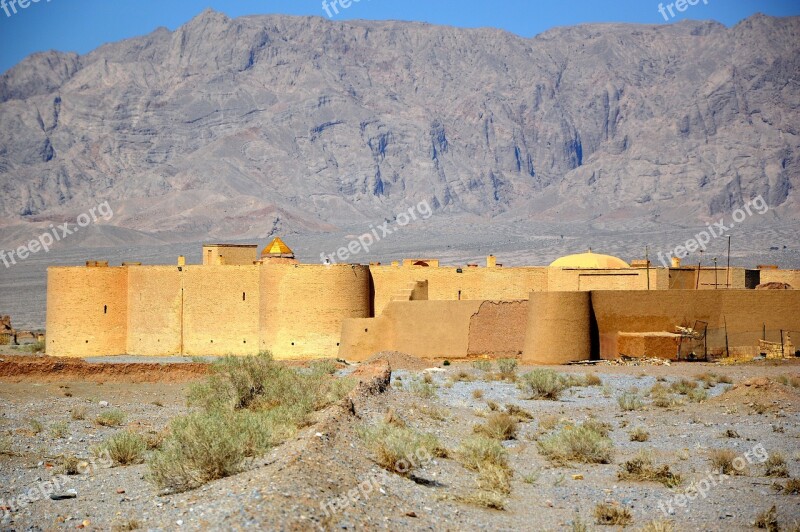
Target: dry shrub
698	395
492	406
730	433
641	469
722	460
518	412
629	402
68	465
461	376
793	381
768	520
125	448
6	448
59	430
78	413
548	423
400	449
489	459
590	379
477	394
711	379
126	525
776	466
612	515
792	487
499	426
393	418
483	499
422	389
658	526
639	434
433	412
683	386
600	427
577	444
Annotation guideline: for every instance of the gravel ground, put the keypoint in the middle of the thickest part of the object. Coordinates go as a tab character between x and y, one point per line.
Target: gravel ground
287	489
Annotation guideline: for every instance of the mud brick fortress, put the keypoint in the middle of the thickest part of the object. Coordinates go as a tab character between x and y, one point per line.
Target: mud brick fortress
580	307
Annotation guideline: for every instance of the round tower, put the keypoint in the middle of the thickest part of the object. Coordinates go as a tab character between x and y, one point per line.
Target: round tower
303	306
559	329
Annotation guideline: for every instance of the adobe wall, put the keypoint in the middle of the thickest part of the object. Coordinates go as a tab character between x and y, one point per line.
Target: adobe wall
790	277
444	284
558	329
229	255
154	310
302	307
427	329
745	311
221	306
583	279
86	311
497	330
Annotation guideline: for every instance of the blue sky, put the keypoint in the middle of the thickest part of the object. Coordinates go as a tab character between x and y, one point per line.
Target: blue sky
82	25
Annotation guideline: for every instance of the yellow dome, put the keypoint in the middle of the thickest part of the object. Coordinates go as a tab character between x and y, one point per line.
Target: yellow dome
589	260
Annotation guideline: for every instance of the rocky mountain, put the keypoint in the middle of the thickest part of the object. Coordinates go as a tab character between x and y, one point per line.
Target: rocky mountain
241	128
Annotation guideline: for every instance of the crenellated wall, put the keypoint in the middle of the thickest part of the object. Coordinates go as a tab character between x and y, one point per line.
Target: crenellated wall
548	315
87	311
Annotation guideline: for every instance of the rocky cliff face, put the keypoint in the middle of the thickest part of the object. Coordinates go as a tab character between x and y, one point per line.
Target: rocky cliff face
239	128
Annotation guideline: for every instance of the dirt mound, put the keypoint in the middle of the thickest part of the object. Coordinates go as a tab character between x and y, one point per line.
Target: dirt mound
398	360
51	369
761	391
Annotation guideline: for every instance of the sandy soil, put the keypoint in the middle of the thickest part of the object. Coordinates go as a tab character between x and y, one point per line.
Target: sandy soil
292	487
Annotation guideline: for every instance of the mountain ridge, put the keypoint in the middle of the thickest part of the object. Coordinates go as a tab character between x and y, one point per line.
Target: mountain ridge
242	128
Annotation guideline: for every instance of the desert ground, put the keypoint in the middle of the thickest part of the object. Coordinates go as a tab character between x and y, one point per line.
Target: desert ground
413	444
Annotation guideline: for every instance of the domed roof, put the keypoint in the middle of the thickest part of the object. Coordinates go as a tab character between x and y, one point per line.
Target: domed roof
589	260
277	248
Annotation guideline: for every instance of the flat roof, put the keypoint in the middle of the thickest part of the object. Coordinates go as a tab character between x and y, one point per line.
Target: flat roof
230	245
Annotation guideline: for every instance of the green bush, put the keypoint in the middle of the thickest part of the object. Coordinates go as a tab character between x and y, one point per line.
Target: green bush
125	448
507	367
111	418
579	444
543	384
206	446
248	405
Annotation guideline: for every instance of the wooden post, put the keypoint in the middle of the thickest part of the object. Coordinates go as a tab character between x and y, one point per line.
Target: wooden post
783	354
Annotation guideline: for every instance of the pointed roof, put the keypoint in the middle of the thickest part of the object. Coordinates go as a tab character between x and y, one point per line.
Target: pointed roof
277	247
589	260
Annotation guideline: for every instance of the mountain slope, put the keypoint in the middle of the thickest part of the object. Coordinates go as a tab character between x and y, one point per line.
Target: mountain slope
241	128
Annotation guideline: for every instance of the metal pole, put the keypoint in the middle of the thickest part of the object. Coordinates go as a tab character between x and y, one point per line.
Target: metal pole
715	273
728	273
647	260
697	283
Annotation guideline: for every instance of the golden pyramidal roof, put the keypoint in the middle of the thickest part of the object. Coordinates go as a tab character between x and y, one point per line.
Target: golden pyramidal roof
277	247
